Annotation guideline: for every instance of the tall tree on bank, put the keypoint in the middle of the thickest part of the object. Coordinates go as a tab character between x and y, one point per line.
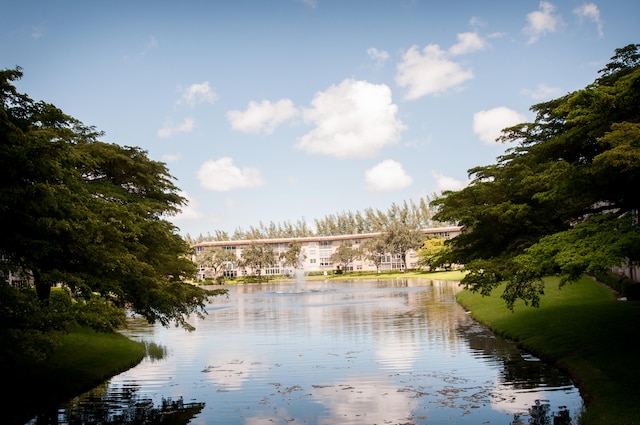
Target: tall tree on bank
258	257
89	214
400	239
293	256
564	199
345	255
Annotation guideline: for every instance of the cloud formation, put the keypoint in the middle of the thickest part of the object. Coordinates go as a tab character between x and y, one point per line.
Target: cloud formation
447	182
191	211
262	117
222	175
378	56
170	129
354	119
198	93
488	124
542	91
387	176
590	12
542	21
467	42
430	71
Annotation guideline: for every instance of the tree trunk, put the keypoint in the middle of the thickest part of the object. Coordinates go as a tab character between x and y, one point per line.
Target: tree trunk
43	289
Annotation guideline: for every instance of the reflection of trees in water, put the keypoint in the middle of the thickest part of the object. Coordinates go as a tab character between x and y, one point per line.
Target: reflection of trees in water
540	414
105	405
517	371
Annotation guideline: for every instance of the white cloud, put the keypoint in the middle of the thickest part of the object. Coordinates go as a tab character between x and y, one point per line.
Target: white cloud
542	91
477	21
429	72
488	124
542	21
189	212
448	183
222	175
264	116
467	42
171	157
590	12
169	129
198	93
378	56
354	119
387	176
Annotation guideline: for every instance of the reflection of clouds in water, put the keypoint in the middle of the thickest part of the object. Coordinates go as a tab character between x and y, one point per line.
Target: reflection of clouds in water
286	357
511	400
229	371
370	401
393	353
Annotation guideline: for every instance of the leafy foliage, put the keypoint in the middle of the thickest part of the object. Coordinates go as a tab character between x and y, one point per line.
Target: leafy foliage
89	214
345	255
563	200
258	256
293	255
30	333
433	253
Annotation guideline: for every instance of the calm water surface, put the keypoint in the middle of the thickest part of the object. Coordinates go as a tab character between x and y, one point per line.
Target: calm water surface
369	352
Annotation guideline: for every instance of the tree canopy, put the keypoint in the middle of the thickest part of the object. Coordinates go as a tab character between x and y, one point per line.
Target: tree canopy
564	200
88	214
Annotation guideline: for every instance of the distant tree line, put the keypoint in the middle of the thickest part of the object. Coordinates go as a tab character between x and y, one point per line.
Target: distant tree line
415	215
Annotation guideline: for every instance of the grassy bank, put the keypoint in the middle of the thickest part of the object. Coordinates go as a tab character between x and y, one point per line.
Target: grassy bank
447	275
85	359
582	328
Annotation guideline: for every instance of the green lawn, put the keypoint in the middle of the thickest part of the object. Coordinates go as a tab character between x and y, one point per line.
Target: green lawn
583	329
85	359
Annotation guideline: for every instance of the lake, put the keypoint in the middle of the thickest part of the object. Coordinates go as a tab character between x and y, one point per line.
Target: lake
352	352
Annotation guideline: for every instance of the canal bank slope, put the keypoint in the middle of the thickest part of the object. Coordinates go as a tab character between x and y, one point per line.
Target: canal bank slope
583	329
84	359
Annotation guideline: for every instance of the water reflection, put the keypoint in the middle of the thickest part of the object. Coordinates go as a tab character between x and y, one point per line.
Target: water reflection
107	405
393	352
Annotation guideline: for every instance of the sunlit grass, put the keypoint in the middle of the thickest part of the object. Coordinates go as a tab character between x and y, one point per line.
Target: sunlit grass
87	356
312	277
84	359
584	329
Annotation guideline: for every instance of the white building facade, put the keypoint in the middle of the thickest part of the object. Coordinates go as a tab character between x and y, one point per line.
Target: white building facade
316	253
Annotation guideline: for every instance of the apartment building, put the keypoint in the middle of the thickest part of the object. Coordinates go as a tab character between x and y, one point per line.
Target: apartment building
316	253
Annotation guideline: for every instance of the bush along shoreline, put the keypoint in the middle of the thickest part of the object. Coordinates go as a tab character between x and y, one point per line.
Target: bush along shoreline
582	328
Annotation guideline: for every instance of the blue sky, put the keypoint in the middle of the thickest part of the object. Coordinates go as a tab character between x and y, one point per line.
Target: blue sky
282	110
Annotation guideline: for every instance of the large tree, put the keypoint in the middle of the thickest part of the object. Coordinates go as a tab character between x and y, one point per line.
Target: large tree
345	255
400	238
293	256
257	257
215	259
89	214
564	199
